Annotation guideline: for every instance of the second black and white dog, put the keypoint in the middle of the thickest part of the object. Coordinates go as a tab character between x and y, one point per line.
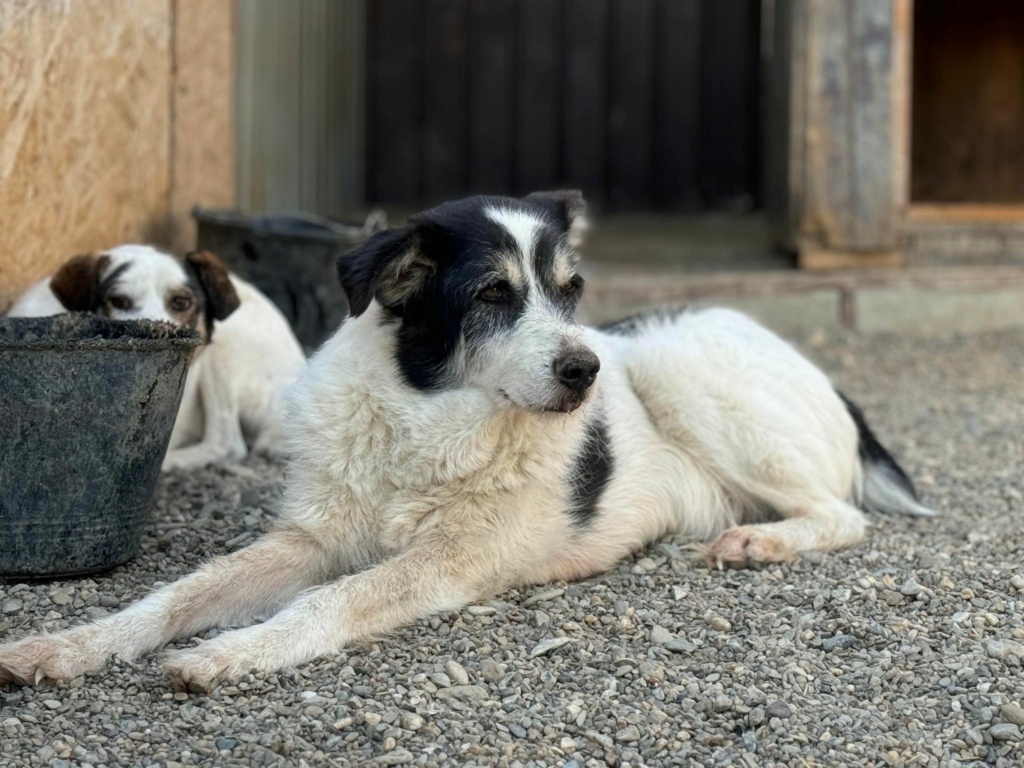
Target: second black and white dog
461	434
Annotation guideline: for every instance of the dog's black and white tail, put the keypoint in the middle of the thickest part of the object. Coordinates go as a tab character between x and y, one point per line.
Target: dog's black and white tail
887	488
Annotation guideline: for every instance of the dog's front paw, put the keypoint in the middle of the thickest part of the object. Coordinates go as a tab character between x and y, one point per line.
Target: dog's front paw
745	545
46	657
199	670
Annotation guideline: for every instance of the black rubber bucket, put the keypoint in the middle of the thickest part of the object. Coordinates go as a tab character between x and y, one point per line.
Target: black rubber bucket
86	411
291	258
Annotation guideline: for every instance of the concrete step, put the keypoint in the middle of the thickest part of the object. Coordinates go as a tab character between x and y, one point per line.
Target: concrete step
911	301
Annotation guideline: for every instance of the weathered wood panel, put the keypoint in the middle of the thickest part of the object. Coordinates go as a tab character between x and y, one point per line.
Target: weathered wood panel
491	96
631	104
446	104
642	103
538	102
202	168
300	106
396	100
875	142
585	126
841	176
729	168
676	182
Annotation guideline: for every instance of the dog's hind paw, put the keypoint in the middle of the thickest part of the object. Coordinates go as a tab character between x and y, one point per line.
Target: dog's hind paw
197	669
744	545
45	657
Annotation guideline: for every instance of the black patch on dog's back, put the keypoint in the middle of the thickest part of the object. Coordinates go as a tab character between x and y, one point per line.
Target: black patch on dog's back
629	326
590	471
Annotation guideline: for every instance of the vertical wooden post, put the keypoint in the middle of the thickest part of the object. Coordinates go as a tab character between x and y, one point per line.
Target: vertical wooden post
839	76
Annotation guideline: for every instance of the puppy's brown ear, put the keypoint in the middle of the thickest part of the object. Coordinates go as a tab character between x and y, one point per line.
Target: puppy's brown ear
77	283
221	297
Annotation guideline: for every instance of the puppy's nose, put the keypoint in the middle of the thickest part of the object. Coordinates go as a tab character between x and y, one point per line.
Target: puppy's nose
577	370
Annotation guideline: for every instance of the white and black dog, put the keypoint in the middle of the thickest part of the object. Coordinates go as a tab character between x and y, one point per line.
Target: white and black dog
235	385
460	434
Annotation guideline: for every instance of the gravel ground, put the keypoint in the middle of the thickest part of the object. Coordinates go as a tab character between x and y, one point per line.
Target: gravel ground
906	650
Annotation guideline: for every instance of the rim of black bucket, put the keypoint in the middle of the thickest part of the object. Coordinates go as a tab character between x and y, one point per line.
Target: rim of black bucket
86	331
293	224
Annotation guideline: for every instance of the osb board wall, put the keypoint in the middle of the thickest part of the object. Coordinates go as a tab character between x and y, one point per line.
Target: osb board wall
87	117
203	140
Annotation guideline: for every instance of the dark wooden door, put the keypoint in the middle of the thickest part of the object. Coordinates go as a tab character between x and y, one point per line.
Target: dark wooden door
644	104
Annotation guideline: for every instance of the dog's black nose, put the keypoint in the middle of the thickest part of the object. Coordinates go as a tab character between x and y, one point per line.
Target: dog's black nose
577	370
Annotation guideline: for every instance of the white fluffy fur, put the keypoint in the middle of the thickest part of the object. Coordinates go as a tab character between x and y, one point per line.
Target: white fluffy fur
400	503
235	385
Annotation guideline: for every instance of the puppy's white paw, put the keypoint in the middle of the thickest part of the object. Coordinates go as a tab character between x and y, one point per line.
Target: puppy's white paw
46	657
745	545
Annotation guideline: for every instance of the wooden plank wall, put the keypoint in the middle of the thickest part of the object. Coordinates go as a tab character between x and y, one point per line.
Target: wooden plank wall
645	104
300	106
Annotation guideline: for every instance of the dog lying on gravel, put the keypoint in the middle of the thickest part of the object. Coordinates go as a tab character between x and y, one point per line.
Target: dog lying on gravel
234	388
460	434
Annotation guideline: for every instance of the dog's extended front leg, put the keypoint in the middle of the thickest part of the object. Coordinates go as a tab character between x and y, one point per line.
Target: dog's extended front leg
232	589
427	579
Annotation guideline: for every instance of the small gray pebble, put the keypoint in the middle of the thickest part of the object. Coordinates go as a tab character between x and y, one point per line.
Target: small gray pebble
411	721
911	588
456	672
547	646
398	756
628	735
720	624
661	636
777	708
839	641
1012	713
464	692
1000	649
491	670
12	606
1005	732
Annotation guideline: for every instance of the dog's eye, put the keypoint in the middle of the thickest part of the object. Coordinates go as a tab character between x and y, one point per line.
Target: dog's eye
573	287
494	293
181	303
122	303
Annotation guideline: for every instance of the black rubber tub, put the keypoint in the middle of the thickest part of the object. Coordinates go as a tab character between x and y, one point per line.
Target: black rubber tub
291	257
86	411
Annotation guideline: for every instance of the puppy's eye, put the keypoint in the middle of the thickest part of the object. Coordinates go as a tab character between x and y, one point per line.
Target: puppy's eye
122	303
494	293
573	287
181	303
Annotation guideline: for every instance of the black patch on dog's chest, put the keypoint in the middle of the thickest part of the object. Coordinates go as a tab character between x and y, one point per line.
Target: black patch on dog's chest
590	471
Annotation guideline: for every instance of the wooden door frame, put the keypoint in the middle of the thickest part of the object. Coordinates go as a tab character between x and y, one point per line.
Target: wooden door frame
811	210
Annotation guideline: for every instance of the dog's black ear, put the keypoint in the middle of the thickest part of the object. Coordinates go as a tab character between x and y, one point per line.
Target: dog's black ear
77	283
568	208
389	267
221	296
